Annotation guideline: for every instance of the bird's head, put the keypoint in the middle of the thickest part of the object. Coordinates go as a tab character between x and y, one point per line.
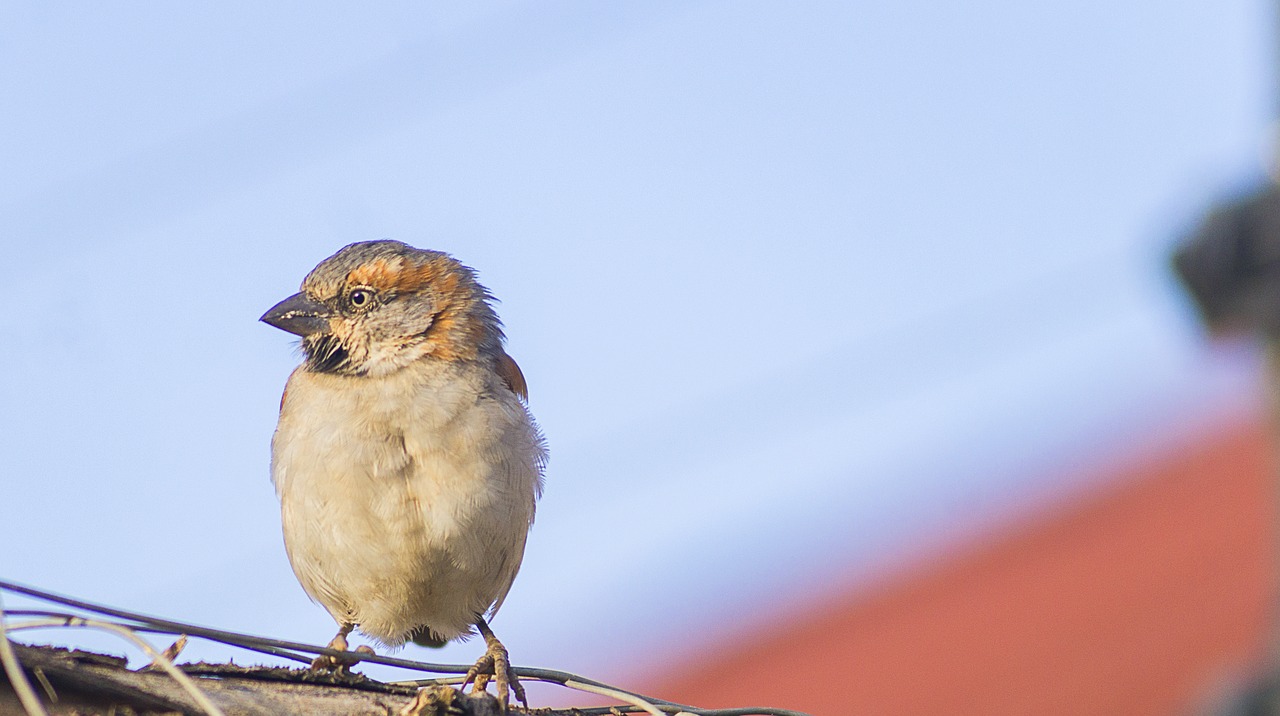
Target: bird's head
377	306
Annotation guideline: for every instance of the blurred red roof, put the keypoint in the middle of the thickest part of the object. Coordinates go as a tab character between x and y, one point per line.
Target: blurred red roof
1137	599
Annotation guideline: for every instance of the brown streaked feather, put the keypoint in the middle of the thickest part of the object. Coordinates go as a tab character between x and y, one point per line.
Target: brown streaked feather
379	273
398	275
511	375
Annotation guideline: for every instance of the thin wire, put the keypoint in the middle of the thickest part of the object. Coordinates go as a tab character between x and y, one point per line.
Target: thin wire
666	707
269	650
157	658
616	694
229	637
17	677
443	681
275	647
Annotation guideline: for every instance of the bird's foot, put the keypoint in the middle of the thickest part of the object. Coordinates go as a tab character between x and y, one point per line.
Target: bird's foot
335	664
495	665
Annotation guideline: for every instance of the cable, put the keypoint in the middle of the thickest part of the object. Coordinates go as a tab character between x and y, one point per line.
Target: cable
17	677
285	649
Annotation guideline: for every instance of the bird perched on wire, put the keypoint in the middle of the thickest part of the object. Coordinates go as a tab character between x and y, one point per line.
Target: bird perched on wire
406	462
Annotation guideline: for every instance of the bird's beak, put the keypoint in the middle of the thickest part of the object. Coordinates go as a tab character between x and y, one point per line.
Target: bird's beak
299	315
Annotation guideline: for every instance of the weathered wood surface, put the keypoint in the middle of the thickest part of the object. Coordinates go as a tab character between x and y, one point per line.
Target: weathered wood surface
84	683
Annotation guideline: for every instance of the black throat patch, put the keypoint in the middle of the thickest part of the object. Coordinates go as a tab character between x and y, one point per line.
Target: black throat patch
326	354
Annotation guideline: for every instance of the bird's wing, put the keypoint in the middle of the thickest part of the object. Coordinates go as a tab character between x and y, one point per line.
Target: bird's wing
511	375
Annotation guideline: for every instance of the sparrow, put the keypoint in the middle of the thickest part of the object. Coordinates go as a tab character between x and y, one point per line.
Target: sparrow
406	461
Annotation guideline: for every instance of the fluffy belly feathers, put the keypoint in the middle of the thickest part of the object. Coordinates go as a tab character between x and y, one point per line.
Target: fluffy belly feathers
417	523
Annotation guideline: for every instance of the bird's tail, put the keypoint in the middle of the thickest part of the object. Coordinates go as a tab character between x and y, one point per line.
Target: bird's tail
422	636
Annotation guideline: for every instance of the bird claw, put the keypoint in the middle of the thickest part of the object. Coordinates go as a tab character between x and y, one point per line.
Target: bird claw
334	664
495	665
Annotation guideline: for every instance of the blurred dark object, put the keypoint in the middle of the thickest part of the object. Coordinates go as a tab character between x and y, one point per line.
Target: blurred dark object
1261	699
1231	265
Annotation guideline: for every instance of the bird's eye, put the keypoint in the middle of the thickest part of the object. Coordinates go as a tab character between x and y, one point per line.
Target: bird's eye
360	298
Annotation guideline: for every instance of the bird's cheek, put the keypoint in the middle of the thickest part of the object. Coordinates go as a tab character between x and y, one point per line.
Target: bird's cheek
344	331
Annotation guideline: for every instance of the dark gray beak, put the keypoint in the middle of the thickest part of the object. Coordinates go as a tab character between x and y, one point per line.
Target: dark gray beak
299	315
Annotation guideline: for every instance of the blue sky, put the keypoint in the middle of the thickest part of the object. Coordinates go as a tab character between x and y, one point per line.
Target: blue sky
798	288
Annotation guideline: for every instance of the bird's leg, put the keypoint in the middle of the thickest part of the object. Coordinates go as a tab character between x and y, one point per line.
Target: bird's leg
324	662
494	663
